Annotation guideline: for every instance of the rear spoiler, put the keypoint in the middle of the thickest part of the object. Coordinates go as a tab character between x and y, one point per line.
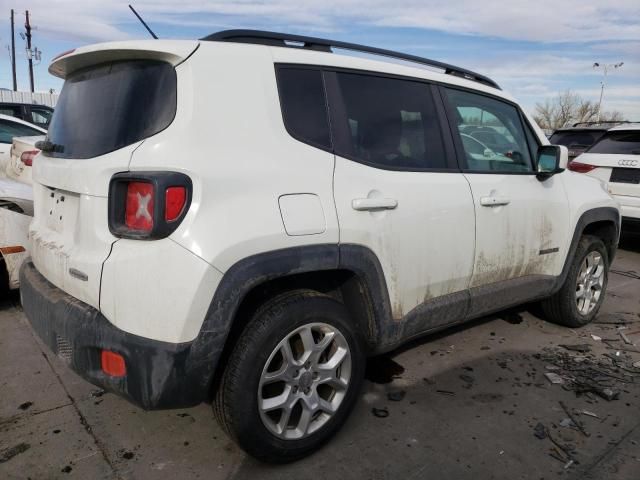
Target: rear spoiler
171	51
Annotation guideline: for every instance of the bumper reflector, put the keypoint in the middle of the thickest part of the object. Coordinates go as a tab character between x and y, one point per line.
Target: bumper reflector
113	364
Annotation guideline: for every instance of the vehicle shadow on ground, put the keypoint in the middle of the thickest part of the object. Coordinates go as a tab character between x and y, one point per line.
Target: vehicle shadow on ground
629	241
9	300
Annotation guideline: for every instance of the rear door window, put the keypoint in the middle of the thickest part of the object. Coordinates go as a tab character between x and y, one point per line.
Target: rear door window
109	106
387	123
621	143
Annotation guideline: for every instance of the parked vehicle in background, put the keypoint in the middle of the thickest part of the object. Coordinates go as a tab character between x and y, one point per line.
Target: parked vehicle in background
11	127
336	212
615	160
580	136
16	195
39	115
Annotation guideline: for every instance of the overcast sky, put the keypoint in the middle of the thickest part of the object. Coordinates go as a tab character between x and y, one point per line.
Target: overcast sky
534	49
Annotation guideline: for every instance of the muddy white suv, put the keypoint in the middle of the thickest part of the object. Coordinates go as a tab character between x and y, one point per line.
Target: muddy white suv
243	219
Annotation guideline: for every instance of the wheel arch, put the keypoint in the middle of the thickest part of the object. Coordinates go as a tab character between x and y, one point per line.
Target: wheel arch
350	273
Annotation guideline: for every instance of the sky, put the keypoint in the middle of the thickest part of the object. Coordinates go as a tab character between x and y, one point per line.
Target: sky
534	49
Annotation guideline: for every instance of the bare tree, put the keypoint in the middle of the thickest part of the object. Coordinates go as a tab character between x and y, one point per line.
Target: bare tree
568	108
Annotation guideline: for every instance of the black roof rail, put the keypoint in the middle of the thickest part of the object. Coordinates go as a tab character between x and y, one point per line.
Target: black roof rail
311	43
603	122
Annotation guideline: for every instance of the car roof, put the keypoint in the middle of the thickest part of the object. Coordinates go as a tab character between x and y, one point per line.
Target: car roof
627	126
9	118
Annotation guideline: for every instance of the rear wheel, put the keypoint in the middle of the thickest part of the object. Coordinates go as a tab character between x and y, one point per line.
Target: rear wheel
292	378
578	301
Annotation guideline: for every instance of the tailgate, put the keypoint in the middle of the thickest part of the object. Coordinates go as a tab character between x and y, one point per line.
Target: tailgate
114	97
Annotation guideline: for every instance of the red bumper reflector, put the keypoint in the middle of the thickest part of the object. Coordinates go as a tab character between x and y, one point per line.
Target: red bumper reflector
113	364
175	198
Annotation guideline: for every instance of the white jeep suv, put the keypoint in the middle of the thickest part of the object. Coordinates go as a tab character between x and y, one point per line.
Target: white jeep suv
615	159
243	219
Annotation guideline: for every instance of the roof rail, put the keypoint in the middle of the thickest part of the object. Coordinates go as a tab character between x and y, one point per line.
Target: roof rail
311	43
603	122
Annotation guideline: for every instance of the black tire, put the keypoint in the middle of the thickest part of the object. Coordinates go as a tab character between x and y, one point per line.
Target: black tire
561	308
236	400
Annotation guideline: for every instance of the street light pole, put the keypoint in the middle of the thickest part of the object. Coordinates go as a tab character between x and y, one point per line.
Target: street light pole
606	68
27	27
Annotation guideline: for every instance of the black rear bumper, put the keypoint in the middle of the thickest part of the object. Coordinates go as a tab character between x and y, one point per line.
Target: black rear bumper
159	374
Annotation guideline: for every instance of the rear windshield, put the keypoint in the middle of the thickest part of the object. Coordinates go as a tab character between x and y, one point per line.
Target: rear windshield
625	143
110	106
575	139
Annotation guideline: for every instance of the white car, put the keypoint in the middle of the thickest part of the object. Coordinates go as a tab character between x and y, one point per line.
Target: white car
615	160
243	219
16	195
11	127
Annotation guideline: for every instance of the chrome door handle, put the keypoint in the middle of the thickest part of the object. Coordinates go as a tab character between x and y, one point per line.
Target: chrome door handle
494	201
363	204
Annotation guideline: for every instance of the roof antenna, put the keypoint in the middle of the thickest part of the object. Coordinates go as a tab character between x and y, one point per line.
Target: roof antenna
143	23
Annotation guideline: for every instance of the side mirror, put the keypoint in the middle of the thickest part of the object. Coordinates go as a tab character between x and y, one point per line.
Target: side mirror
551	159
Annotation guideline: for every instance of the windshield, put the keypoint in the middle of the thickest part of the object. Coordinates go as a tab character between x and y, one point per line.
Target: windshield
619	142
575	139
109	106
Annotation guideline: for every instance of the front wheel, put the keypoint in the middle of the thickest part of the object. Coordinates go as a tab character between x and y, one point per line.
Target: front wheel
579	299
292	379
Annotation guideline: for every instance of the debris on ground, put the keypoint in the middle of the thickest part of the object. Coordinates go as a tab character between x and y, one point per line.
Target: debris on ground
554	378
25	405
625	338
8	453
596	338
396	396
540	431
590	374
380	412
582	348
445	392
574	420
589	414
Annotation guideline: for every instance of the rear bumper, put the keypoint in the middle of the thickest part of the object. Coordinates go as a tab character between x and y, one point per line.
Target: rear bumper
159	374
629	206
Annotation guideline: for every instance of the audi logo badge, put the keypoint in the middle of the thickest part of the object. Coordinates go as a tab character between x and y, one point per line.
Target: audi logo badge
628	163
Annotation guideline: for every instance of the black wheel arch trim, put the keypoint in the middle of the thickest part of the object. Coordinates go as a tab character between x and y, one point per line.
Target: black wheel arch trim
588	218
257	269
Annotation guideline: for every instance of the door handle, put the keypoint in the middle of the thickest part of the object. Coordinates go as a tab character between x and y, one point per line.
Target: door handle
494	201
363	204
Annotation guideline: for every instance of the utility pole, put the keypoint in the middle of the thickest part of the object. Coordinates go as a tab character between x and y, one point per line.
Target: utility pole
606	68
13	54
27	27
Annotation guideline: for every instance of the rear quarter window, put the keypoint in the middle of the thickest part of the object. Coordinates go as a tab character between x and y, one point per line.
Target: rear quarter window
304	106
109	106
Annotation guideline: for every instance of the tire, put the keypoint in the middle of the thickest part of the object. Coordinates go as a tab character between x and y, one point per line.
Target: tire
563	307
261	351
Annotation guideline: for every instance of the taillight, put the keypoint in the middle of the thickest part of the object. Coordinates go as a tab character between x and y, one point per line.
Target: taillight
148	205
581	167
138	213
27	157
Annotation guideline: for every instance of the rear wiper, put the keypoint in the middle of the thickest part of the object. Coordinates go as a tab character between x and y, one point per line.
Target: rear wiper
47	146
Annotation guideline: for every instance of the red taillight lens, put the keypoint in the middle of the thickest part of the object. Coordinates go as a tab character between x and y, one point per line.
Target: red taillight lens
113	364
175	198
27	157
139	206
581	167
